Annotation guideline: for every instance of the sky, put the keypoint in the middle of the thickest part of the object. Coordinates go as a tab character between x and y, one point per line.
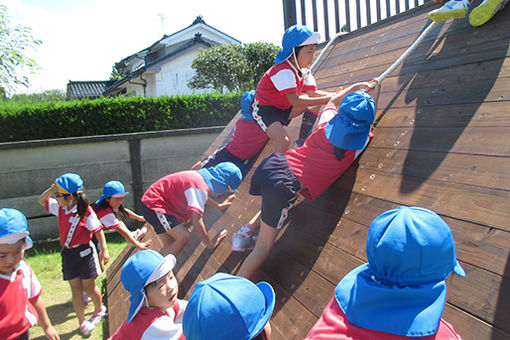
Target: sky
83	39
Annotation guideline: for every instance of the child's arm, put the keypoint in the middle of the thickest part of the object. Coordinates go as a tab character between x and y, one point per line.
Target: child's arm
104	255
319	93
223	205
124	231
133	215
199	227
306	101
44	320
339	96
47	193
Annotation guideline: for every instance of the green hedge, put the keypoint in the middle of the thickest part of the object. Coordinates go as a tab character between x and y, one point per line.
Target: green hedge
115	115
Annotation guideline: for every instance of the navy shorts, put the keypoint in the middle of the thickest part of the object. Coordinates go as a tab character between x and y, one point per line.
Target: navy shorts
219	156
267	115
278	186
159	221
81	262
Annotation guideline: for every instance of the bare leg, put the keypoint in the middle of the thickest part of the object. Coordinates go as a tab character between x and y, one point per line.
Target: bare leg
174	240
77	296
259	254
89	285
278	134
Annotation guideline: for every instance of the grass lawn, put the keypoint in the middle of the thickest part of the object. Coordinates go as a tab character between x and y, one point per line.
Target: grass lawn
45	260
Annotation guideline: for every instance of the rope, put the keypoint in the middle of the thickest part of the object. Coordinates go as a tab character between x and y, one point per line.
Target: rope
407	53
396	63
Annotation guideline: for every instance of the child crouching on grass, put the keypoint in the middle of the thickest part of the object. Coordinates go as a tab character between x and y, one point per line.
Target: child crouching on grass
181	197
155	313
77	222
21	305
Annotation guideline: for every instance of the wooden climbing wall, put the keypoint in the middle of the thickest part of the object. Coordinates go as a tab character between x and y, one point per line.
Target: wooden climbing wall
441	142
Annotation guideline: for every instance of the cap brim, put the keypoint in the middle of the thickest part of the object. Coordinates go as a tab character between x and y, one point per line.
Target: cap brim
269	295
312	40
162	269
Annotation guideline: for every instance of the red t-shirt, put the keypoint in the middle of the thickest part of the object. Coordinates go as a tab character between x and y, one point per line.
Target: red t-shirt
280	80
17	314
108	218
334	325
179	194
248	139
73	230
315	164
153	324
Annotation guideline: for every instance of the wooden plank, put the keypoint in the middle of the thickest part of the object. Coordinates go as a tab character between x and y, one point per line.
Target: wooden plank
461	115
473	141
477	170
473	204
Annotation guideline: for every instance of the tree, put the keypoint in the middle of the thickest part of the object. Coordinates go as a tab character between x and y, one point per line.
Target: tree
234	67
117	73
15	40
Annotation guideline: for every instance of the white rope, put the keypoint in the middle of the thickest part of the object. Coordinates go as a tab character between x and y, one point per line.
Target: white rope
406	53
396	63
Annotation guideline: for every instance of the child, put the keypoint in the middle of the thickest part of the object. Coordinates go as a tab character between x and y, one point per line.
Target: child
401	292
77	222
21	305
229	307
109	208
288	88
308	170
458	9
247	140
181	197
155	313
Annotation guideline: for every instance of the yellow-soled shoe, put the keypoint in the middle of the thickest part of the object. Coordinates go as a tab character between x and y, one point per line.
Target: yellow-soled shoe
452	9
485	11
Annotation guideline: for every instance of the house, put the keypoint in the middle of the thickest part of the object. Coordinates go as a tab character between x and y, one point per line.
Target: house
162	69
87	89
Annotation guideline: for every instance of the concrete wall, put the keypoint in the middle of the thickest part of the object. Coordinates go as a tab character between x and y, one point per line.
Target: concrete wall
137	160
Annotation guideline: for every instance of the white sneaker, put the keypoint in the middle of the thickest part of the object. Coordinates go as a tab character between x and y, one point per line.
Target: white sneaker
97	317
244	239
452	9
86	327
485	11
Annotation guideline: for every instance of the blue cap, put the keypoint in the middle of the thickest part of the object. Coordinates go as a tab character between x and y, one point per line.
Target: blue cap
13	227
227	307
402	288
349	128
222	176
138	271
112	189
70	182
294	36
246	104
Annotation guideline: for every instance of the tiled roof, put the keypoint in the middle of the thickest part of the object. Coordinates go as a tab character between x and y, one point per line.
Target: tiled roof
87	89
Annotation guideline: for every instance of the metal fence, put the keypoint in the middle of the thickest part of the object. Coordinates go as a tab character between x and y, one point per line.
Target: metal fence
330	17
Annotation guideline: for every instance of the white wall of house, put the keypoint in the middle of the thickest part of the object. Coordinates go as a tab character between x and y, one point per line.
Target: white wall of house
174	76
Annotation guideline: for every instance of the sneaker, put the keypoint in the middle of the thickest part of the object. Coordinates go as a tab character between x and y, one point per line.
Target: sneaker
485	11
97	317
452	9
138	234
244	239
86	327
86	298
